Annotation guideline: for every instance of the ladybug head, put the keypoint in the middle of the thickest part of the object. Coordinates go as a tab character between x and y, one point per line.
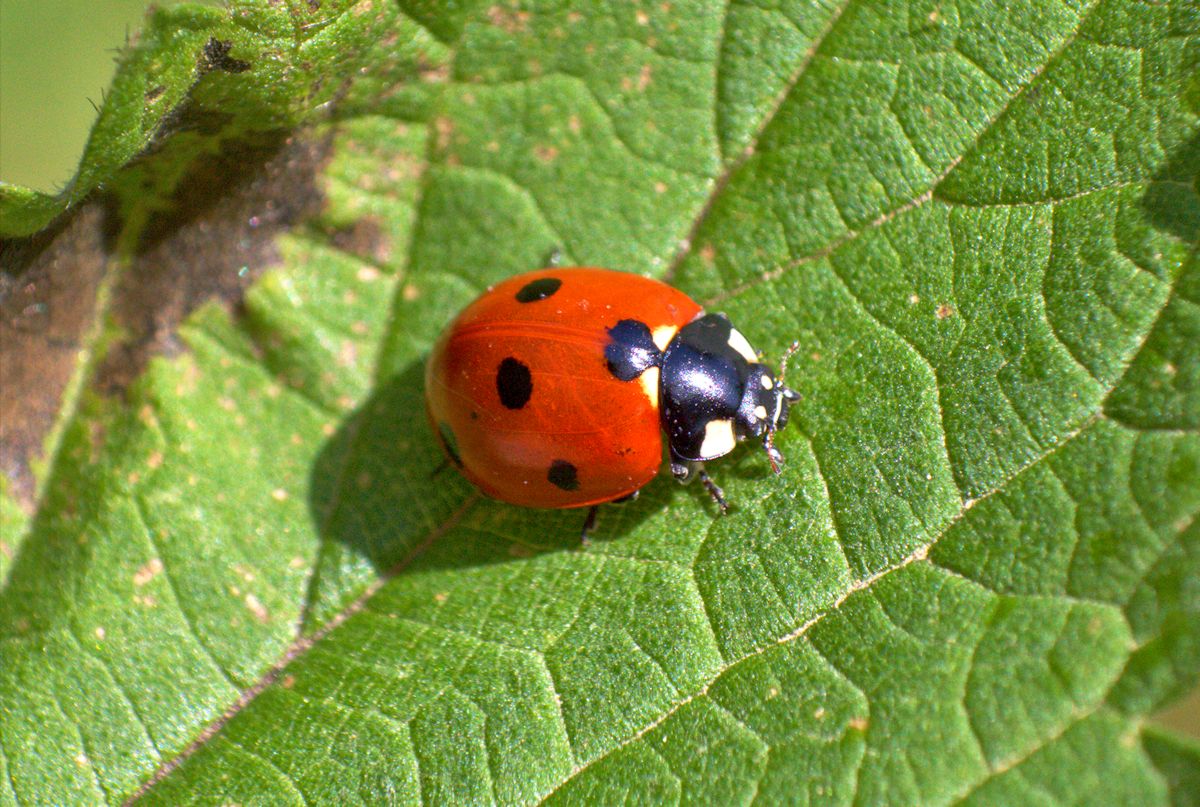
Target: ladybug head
714	392
764	408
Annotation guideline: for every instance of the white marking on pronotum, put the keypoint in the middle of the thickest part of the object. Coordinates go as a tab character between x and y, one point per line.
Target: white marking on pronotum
663	335
739	343
718	439
760	412
649	381
767	383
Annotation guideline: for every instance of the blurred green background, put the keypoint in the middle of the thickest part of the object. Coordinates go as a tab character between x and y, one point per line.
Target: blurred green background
57	57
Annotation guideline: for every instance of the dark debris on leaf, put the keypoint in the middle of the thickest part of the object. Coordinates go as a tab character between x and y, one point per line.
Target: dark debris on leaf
216	57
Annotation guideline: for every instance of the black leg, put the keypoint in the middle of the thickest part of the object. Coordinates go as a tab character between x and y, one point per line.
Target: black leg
443	466
713	490
589	524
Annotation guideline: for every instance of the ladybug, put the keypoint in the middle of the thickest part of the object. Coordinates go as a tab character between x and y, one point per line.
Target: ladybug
552	389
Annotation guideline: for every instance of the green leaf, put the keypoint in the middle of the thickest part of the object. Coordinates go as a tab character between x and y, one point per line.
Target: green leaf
1179	761
238	576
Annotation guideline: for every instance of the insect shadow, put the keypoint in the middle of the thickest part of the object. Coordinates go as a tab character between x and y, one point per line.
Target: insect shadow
1172	201
381	493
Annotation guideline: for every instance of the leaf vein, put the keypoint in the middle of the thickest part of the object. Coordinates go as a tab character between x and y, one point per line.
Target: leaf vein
139	507
271	766
924	197
121	691
732	166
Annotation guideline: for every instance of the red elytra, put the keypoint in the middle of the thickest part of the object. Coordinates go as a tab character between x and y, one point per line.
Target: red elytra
553	389
524	400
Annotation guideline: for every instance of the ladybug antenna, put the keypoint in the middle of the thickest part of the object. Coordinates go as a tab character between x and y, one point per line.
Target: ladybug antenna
783	363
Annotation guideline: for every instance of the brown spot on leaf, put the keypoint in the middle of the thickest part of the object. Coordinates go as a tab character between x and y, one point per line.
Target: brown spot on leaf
644	75
148	572
444	128
944	310
509	20
48	287
256	607
209	240
432	72
213	242
365	239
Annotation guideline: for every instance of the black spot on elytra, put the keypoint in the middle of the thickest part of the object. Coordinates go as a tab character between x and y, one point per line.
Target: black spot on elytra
514	383
630	349
449	443
562	474
538	289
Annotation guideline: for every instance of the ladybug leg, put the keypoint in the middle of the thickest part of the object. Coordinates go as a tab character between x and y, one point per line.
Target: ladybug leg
683	469
628	497
713	490
773	455
589	524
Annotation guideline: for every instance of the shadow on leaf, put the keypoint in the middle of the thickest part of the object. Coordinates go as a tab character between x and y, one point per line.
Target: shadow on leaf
382	492
1172	202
